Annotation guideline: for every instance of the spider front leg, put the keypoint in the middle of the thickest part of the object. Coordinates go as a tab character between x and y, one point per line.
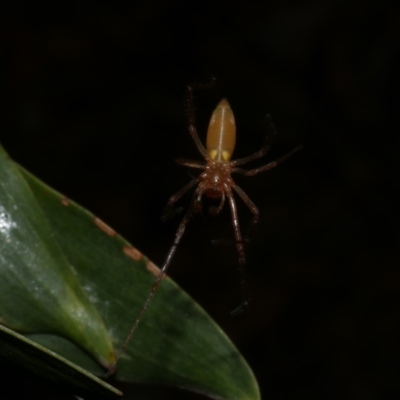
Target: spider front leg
168	212
253	208
240	249
178	236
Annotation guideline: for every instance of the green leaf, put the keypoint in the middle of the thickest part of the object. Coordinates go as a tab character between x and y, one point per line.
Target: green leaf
177	343
39	292
19	350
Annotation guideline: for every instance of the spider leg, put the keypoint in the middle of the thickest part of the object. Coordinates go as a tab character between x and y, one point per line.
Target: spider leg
253	224
178	236
253	208
266	167
174	198
190	163
192	127
264	149
220	206
240	250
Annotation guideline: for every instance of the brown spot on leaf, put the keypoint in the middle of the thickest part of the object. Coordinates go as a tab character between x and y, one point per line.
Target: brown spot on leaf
133	253
104	227
65	201
151	267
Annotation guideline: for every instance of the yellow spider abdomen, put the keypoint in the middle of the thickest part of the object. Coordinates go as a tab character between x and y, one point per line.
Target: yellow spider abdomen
221	134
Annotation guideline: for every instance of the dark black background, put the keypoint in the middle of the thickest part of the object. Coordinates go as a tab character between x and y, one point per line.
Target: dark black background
93	103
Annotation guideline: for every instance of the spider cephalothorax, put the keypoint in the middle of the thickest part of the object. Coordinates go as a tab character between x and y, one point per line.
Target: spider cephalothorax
215	179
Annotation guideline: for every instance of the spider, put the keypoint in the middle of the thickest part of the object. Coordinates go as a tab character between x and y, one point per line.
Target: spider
216	179
215	182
